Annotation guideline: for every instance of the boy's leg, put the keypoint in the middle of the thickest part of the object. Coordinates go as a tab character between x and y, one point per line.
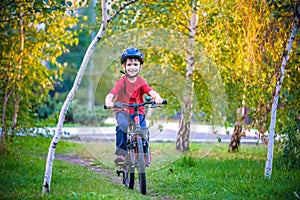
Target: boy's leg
142	117
121	134
143	121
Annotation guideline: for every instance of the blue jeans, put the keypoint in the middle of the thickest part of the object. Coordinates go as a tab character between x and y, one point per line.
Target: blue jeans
121	130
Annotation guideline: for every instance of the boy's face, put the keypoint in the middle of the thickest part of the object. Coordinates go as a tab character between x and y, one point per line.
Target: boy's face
132	66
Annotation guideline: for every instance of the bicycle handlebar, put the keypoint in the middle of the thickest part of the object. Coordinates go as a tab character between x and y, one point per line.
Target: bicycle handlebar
135	105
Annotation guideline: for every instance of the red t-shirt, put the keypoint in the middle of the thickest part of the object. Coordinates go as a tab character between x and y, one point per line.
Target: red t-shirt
128	92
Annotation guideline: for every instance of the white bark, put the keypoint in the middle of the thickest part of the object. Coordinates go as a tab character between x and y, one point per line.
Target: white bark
91	86
80	73
19	67
268	167
183	135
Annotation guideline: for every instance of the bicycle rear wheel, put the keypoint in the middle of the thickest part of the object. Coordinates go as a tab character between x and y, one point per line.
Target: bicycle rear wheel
141	166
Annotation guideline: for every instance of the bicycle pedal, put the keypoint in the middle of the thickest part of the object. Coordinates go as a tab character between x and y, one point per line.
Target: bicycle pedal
120	172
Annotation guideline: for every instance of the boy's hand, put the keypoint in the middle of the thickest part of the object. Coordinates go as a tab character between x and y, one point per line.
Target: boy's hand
158	100
109	101
156	97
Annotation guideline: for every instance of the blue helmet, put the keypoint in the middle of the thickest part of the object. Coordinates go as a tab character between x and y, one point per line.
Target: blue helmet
132	53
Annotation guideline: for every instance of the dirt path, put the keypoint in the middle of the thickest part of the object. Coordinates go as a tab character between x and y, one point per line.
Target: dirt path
85	162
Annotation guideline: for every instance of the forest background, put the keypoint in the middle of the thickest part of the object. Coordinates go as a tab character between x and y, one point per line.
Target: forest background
241	41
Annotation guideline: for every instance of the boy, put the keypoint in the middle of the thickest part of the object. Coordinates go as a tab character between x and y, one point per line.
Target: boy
130	88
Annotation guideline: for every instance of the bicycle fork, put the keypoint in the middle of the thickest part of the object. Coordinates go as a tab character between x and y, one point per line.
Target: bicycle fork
147	153
133	151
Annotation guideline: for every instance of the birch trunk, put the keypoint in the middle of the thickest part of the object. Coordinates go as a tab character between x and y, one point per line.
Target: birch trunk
19	67
3	120
91	96
80	73
50	157
268	167
182	142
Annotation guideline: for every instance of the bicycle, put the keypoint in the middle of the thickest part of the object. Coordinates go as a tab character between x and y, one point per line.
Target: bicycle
139	156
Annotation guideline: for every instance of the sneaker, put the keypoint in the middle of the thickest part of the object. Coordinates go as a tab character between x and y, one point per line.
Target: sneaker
120	160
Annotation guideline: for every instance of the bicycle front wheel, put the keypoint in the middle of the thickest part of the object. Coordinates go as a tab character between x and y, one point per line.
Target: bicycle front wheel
129	179
141	165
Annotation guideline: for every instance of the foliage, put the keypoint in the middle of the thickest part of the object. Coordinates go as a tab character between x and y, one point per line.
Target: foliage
75	54
238	38
33	35
244	39
78	113
288	111
162	61
206	172
83	116
289	131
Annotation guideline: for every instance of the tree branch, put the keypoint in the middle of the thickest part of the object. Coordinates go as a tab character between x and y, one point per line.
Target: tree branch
184	14
185	26
104	15
7	4
120	9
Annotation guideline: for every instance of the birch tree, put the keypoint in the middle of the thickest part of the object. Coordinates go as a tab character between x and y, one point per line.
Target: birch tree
50	158
182	142
279	82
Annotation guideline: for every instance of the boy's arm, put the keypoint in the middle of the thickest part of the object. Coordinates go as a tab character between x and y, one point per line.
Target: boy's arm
109	100
156	97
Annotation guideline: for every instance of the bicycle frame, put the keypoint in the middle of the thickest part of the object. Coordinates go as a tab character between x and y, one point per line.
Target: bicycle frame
138	148
135	133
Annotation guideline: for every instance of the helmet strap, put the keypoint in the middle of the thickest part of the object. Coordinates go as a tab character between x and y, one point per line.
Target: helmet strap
127	75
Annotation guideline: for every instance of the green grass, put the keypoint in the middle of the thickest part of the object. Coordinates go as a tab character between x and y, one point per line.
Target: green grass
22	174
207	171
220	175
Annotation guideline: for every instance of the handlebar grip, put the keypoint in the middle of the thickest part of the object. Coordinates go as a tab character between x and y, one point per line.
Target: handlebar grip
165	101
116	105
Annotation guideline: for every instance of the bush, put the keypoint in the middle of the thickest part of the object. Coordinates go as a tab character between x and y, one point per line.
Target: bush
289	130
77	113
82	115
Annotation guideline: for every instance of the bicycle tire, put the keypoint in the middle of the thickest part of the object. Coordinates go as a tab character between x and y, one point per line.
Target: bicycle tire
141	166
129	179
